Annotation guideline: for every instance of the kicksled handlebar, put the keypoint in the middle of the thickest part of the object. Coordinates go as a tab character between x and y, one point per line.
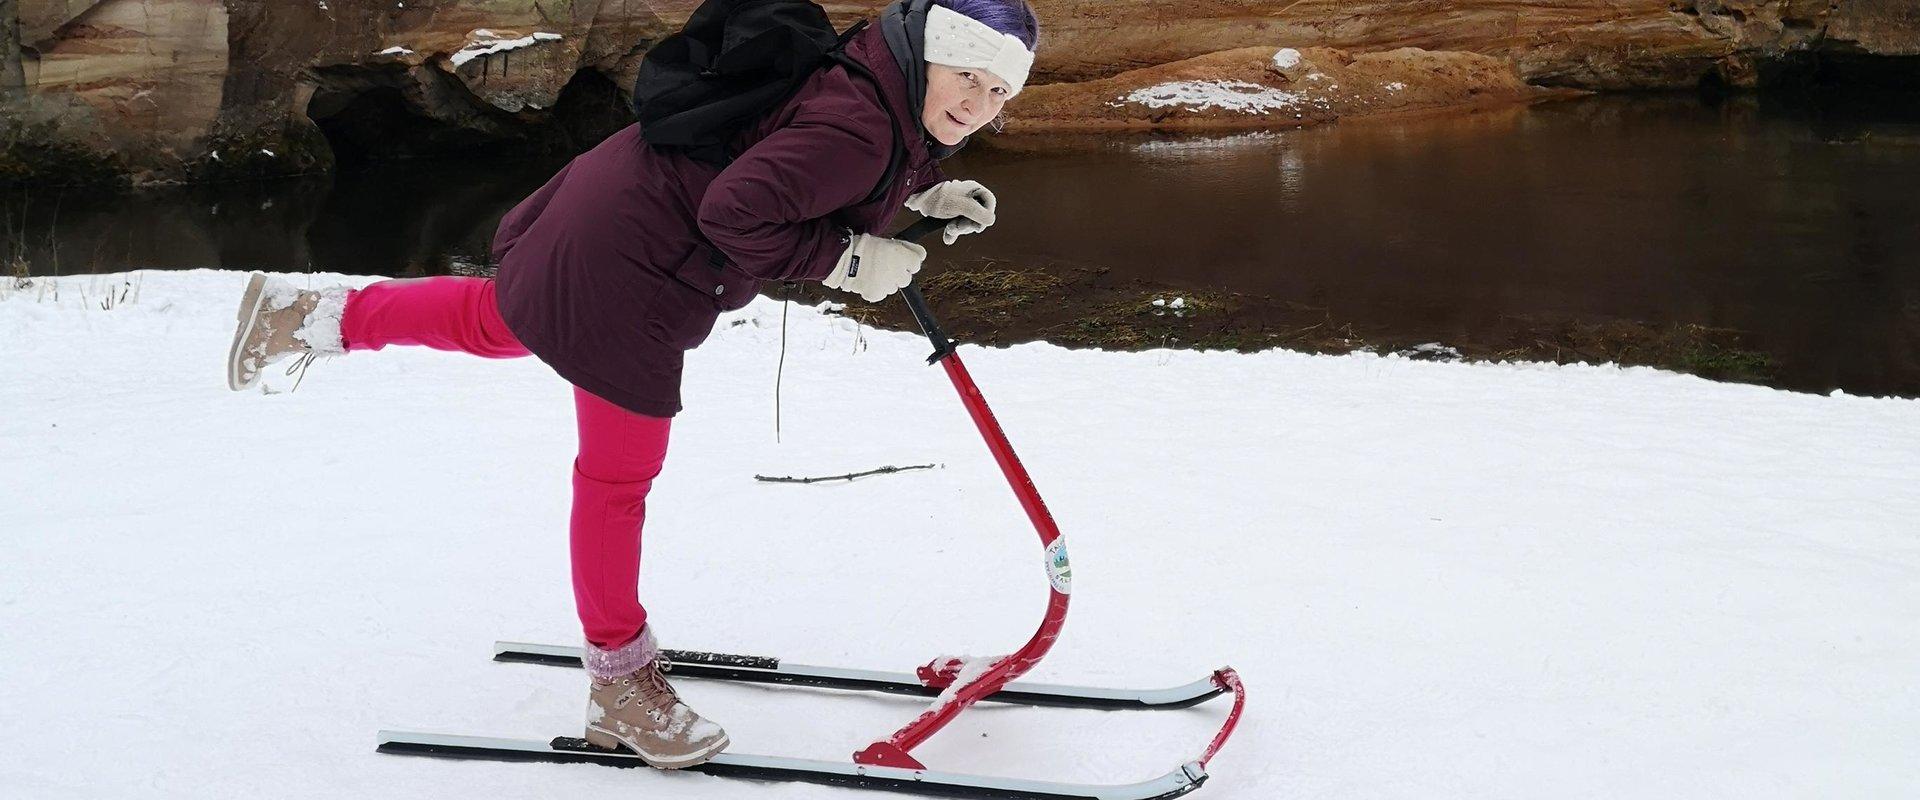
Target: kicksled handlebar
916	302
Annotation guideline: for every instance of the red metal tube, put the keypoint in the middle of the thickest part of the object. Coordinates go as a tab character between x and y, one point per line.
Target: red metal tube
894	750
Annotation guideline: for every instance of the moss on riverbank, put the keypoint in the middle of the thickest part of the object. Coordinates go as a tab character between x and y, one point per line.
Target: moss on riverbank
33	155
239	155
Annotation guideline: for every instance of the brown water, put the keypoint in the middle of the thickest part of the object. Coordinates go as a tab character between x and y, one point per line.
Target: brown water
1788	228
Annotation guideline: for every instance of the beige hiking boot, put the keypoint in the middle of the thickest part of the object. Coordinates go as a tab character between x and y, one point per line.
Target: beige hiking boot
635	708
276	321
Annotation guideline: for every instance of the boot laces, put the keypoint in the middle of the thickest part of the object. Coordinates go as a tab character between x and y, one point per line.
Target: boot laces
651	687
661	695
299	366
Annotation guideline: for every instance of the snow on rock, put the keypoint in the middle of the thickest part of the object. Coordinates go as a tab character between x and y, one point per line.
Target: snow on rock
1288	64
1251	98
397	50
486	43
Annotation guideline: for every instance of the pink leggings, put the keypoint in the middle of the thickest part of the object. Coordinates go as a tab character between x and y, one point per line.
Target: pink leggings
620	452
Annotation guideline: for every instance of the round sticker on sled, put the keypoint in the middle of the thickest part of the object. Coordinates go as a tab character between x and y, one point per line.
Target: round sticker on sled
1059	571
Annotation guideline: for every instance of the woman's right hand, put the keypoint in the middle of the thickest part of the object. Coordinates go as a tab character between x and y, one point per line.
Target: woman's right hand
875	267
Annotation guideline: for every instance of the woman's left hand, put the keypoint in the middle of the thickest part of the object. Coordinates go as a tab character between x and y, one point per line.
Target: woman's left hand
969	204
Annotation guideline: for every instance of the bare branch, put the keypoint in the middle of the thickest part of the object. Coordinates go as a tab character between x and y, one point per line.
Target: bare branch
848	477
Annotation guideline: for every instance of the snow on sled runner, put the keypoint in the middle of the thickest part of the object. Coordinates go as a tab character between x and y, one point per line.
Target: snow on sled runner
888	764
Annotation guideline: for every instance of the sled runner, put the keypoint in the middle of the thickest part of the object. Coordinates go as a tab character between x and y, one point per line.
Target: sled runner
763	669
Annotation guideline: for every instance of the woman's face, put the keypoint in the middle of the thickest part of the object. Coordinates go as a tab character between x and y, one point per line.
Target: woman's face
960	100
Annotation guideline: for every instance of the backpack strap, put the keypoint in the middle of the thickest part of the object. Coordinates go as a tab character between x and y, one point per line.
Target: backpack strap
895	157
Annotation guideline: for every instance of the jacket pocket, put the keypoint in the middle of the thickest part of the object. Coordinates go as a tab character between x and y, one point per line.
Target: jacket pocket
706	270
701	287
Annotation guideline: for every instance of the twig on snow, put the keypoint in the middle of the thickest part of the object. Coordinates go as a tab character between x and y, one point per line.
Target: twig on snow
848	477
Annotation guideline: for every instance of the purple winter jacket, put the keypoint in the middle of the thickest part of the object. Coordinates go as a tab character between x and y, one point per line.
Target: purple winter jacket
622	261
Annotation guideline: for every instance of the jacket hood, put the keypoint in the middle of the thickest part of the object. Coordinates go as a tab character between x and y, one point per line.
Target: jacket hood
903	25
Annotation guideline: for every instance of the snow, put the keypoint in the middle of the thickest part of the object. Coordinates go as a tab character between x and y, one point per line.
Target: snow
1241	96
488	45
1286	58
1395	86
397	50
972	668
1177	305
1439	580
702	728
1431	350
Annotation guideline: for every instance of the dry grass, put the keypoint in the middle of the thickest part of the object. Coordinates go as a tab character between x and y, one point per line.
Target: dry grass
993	282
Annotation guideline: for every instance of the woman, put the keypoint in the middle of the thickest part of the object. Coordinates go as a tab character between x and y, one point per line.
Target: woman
621	262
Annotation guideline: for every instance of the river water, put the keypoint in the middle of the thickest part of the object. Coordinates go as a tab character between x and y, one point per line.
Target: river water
1786	230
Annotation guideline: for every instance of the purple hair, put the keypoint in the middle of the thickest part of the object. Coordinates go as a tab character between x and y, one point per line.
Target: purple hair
1012	17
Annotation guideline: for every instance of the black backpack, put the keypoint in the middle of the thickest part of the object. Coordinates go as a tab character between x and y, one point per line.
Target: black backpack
734	61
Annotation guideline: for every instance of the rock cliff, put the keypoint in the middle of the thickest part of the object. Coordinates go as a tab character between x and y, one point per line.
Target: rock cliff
207	89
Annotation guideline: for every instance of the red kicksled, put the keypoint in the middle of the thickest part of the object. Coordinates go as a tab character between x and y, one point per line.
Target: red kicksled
888	764
895	751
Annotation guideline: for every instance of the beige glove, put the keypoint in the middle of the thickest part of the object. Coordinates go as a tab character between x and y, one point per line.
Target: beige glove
874	267
967	203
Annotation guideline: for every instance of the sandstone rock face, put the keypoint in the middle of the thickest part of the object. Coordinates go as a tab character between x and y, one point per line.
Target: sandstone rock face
134	75
197	89
1876	27
1586	43
1268	88
186	89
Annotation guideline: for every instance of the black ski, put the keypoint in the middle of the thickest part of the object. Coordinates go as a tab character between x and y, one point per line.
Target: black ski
566	750
762	669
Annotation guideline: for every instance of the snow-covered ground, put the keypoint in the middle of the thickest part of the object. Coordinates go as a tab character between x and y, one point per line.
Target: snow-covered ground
1439	580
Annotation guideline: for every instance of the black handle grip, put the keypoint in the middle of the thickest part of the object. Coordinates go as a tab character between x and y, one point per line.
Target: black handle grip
921	229
942	346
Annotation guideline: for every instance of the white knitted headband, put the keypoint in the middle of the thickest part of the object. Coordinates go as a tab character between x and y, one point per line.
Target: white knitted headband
954	39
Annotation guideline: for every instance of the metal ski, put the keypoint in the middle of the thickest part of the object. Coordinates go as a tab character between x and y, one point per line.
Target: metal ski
773	768
762	669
